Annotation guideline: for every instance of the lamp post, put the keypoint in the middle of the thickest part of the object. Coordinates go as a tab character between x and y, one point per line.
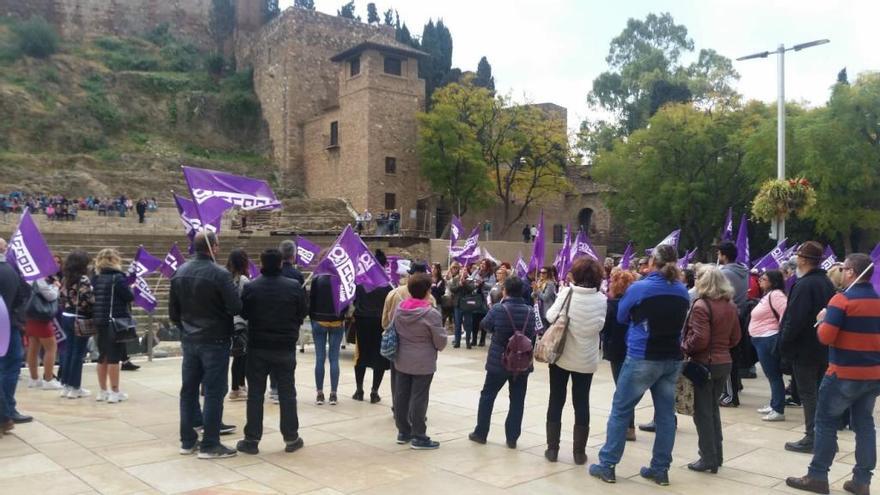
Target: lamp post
778	228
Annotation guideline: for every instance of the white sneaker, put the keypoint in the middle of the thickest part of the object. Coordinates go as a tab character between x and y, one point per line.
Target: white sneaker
52	384
116	397
66	391
773	416
765	410
35	383
77	393
102	396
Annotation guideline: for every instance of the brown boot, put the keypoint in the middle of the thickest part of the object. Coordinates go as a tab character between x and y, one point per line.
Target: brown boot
579	443
809	484
553	432
857	488
630	434
9	425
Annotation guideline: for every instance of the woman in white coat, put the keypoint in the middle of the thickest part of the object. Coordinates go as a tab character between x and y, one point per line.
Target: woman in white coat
586	308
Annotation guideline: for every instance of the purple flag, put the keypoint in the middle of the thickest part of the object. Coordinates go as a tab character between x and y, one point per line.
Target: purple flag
875	256
172	262
686	259
29	252
583	247
566	255
828	259
191	220
306	251
485	254
5	328
773	259
727	233
742	242
671	239
391	269
789	283
349	252
143	295
626	259
521	269
143	264
469	250
537	260
455	230
215	192
253	270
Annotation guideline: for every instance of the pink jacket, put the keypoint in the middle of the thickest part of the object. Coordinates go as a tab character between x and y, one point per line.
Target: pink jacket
764	323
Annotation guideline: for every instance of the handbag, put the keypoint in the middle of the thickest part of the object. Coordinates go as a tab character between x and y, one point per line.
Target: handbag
390	342
239	339
82	327
474	303
551	345
38	308
699	373
684	396
124	328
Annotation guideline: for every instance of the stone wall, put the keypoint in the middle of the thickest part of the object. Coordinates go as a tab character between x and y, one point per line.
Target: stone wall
79	18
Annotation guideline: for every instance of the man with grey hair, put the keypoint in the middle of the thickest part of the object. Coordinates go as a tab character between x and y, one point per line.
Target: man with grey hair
14	291
288	264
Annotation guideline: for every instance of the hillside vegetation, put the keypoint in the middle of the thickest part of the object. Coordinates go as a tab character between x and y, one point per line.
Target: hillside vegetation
113	115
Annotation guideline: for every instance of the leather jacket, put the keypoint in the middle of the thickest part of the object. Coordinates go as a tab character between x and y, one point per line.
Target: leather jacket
203	301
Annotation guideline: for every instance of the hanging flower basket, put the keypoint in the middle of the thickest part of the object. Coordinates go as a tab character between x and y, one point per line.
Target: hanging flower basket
783	198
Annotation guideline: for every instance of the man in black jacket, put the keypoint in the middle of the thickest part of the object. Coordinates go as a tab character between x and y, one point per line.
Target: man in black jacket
14	291
288	265
202	302
274	307
799	343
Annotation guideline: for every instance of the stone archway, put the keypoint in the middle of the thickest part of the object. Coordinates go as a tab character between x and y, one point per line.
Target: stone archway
585	219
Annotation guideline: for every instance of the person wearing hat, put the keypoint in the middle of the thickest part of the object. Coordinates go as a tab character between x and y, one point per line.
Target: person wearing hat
799	343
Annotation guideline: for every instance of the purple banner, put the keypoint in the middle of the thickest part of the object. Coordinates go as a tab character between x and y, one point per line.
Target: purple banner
455	230
686	259
537	260
189	216
307	252
521	269
828	259
566	255
875	256
773	259
626	259
172	262
253	270
143	295
5	328
727	233
467	252
215	192
671	239
351	263
742	242
29	252
142	265
392	269
583	247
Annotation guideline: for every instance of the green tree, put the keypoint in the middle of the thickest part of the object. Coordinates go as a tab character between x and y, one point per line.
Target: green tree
437	42
271	10
484	77
347	11
36	37
372	14
451	155
221	22
304	4
683	170
388	16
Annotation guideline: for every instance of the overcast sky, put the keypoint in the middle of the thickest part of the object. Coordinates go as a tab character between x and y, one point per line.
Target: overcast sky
551	50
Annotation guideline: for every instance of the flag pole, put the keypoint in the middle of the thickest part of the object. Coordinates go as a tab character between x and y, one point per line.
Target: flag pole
864	272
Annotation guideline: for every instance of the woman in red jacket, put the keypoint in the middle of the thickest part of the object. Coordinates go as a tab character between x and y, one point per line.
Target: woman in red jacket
711	331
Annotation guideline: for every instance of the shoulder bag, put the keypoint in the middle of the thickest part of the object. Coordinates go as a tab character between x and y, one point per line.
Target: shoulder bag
38	307
124	328
551	345
699	373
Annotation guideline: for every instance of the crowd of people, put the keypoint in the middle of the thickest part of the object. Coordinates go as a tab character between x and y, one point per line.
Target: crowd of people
385	223
662	329
62	208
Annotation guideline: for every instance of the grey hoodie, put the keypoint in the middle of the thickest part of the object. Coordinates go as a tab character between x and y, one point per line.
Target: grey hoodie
738	275
421	335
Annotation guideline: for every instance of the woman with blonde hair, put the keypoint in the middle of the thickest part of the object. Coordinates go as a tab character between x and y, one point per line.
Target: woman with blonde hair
112	296
712	329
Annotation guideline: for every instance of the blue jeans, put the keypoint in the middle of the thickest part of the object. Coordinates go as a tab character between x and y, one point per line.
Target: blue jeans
208	364
493	384
769	359
456	322
10	369
835	396
637	377
321	334
74	354
463	320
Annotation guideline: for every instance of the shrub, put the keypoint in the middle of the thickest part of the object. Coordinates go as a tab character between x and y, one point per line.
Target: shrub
180	57
215	64
159	83
160	36
104	112
239	108
36	37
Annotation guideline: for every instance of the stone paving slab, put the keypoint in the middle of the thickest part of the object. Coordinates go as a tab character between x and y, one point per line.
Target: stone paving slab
81	446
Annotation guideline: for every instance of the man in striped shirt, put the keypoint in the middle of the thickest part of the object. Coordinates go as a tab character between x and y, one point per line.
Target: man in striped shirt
851	329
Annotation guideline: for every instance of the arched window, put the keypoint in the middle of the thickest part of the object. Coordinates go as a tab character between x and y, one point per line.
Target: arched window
585	219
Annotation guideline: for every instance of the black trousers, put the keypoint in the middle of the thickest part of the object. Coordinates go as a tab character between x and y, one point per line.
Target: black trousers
615	372
580	395
239	370
477	319
808	377
411	403
361	371
280	365
707	414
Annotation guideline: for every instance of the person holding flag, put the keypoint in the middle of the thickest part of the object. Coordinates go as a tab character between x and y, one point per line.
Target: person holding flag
112	296
14	292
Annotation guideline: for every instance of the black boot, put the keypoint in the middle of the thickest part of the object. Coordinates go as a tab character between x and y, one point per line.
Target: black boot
553	432
579	443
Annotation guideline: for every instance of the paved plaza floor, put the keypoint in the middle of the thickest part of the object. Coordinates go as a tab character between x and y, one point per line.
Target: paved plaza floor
80	446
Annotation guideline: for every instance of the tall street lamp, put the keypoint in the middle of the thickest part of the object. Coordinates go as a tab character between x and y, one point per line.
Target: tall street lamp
778	227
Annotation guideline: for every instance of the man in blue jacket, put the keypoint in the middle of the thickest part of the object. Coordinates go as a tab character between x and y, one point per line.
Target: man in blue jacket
655	309
512	315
